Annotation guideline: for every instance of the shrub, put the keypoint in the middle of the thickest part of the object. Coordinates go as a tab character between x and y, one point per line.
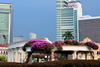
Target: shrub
71	42
61	63
38	45
91	44
56	56
58	44
38	55
2	58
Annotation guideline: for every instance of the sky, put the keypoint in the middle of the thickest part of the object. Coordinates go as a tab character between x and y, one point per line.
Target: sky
39	16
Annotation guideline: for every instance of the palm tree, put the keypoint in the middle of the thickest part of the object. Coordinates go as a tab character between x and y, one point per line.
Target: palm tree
68	35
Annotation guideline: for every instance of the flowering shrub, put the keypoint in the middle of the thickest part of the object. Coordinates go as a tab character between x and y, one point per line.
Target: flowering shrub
56	56
38	45
38	55
59	44
71	42
91	44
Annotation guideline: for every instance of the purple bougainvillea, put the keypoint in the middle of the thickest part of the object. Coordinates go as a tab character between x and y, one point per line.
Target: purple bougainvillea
71	42
38	45
91	44
56	56
58	44
44	46
38	55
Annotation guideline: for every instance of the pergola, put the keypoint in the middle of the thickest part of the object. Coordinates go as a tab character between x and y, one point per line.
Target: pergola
72	50
76	50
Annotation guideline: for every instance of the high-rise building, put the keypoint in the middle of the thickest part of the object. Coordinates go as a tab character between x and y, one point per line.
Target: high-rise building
5	23
89	27
67	13
32	36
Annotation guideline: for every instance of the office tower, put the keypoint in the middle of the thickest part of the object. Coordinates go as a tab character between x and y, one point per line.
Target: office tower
32	36
89	27
67	13
18	38
5	23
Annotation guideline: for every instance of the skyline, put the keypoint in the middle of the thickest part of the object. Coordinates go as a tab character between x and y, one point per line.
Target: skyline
67	14
39	17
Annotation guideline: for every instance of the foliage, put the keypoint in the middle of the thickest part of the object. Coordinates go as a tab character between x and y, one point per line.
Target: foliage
68	35
71	42
10	64
38	45
91	44
58	44
56	56
38	55
74	42
2	58
69	63
60	63
62	57
43	56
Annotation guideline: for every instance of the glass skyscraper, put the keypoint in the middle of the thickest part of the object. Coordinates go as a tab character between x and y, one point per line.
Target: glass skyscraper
5	23
67	18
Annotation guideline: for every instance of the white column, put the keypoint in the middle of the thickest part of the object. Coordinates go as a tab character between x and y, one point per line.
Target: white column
23	56
12	53
9	55
74	56
95	55
52	55
17	57
30	59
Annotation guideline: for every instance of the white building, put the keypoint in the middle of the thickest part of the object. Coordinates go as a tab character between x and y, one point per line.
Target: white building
4	50
15	52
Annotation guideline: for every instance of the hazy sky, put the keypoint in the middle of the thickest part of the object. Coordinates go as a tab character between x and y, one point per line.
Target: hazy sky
39	16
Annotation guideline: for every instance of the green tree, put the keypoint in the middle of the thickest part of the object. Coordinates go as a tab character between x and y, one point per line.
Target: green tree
2	58
68	35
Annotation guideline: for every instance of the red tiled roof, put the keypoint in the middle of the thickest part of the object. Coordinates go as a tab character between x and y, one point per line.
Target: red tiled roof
3	45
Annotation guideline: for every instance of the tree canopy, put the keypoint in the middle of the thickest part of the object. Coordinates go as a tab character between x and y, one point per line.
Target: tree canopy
68	35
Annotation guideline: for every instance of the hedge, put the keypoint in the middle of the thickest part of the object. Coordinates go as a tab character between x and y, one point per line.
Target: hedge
60	63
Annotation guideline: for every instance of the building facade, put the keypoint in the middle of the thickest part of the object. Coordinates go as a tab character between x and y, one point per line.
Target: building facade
67	13
5	23
4	50
89	27
15	52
